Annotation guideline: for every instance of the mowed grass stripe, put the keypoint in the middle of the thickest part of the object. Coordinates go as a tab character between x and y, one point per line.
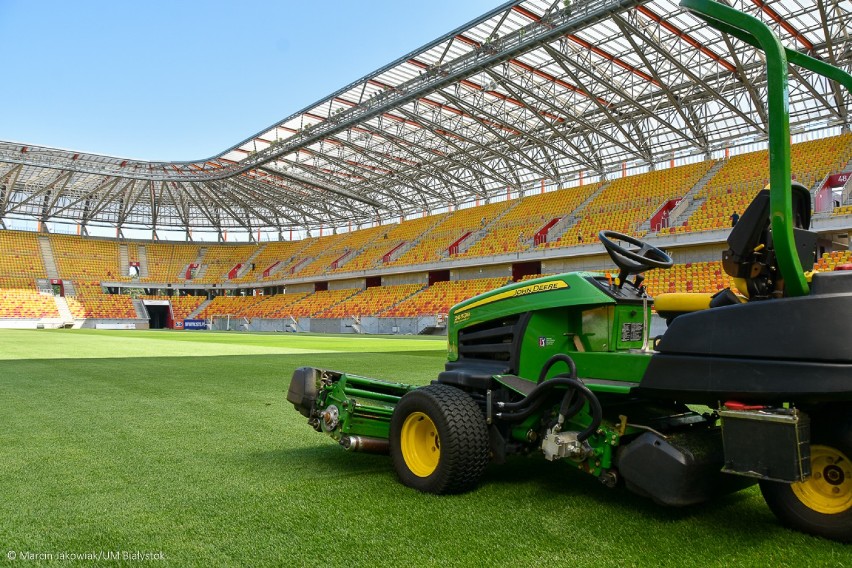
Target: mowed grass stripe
94	344
202	459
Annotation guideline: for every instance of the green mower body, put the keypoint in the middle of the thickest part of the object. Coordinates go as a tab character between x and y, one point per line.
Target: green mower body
748	390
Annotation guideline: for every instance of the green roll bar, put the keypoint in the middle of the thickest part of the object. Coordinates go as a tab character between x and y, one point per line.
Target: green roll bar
757	34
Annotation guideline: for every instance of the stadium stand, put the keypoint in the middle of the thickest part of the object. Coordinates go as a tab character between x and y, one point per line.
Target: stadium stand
20	255
831	260
219	261
688	277
168	262
318	302
86	259
272	256
20	265
372	301
277	306
182	306
229	305
441	296
625	205
296	305
338	249
379	251
91	302
742	176
520	225
20	299
436	243
310	249
630	201
273	306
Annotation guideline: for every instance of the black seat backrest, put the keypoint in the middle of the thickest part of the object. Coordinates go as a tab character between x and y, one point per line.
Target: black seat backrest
750	230
753	229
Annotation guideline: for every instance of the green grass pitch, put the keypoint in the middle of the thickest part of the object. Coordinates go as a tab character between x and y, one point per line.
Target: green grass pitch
182	445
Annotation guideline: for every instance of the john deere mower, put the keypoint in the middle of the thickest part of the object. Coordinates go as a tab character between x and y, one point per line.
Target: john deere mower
746	386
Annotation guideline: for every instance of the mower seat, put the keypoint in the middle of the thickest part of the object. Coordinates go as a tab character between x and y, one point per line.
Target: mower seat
673	304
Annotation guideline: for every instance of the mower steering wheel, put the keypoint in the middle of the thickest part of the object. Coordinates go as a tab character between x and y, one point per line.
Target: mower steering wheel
629	261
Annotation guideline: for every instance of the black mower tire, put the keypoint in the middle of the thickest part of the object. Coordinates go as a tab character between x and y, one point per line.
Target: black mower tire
439	440
822	504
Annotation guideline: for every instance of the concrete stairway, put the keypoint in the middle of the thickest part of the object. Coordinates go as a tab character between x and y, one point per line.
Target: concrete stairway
194	313
689	204
143	262
249	261
478	235
123	260
64	310
199	260
571	219
47	257
141	310
68	287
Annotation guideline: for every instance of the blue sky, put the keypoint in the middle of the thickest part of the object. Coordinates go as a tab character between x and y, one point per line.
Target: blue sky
184	80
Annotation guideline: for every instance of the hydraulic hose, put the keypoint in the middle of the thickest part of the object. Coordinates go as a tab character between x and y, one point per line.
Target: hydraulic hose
523	409
555	359
538	391
518	411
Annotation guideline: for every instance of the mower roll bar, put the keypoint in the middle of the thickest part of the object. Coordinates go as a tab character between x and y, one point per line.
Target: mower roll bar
757	34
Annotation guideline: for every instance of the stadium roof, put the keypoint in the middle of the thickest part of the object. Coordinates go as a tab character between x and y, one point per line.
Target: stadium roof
533	90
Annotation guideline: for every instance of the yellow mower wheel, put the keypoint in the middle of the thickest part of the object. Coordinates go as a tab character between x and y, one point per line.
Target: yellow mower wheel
420	445
829	488
439	440
822	504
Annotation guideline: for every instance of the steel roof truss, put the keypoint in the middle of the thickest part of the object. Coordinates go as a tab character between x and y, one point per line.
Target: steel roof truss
694	126
627	98
435	128
248	186
580	156
259	190
213	192
637	151
829	48
324	186
105	186
43	191
526	132
526	163
664	53
459	141
155	205
11	176
438	157
212	215
292	200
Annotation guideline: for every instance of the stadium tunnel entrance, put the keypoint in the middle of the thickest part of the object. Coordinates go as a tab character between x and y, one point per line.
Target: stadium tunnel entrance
522	269
160	314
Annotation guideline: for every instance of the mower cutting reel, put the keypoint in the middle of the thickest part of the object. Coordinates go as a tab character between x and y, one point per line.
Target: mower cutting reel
562	366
